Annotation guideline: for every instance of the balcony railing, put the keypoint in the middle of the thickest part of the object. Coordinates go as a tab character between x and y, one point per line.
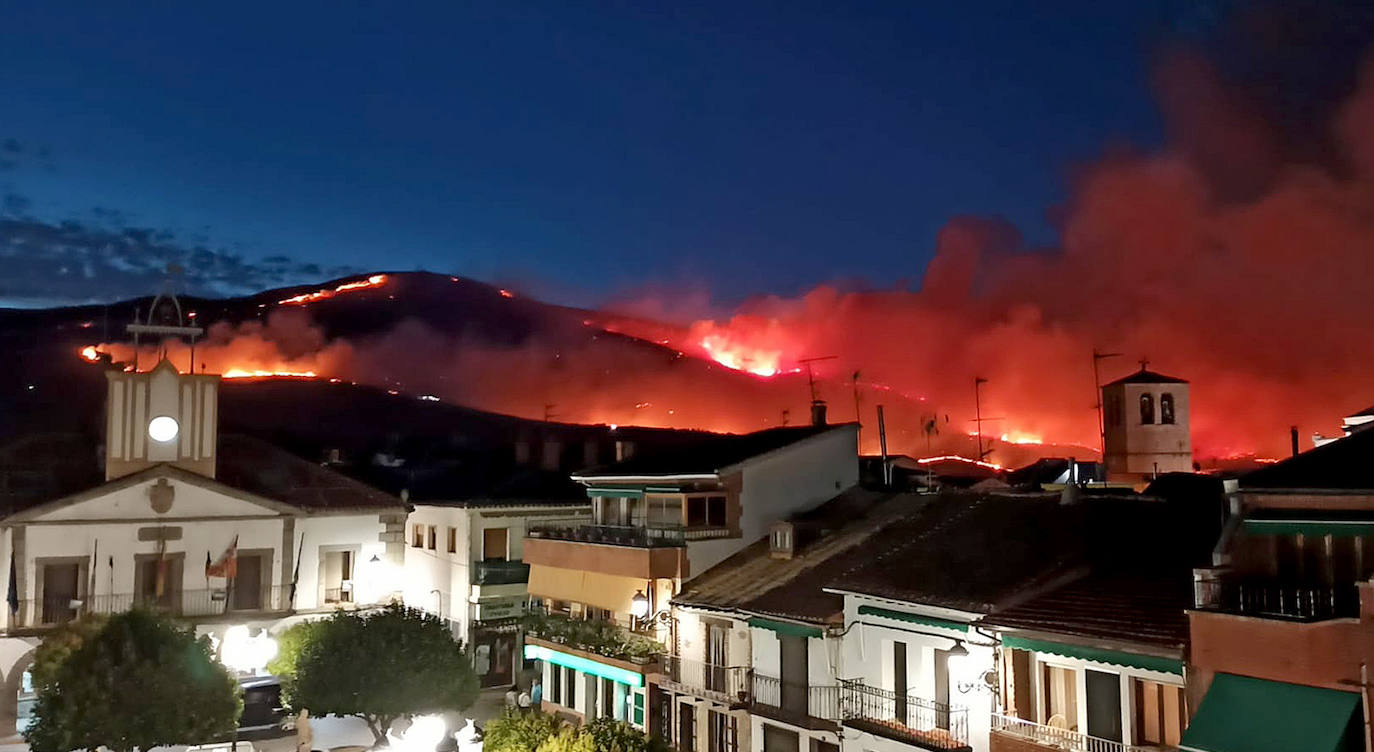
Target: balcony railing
584	531
904	717
796	701
52	611
1277	599
500	573
1064	739
727	684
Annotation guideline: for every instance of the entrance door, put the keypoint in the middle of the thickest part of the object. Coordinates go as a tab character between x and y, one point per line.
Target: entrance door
1104	705
159	583
61	586
686	727
248	583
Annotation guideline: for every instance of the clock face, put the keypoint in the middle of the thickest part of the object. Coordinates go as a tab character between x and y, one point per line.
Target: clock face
163	428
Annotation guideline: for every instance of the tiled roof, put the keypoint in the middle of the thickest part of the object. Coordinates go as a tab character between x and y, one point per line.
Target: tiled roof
1344	464
752	581
1141	607
1146	377
40	468
977	552
708	454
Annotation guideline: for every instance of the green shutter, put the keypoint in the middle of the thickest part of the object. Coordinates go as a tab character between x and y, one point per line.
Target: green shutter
1241	714
1314	527
1114	657
629	493
785	627
929	621
639	709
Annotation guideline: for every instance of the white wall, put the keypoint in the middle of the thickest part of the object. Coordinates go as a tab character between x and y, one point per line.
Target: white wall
373	581
448	573
794	479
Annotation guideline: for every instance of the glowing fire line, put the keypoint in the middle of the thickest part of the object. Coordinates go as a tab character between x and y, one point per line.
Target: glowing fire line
376	280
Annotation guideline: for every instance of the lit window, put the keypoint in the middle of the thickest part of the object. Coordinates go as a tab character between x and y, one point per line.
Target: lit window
1166	408
433	537
453	540
417	537
1147	409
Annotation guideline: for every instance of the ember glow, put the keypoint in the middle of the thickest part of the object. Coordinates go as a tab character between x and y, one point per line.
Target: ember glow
376	280
89	353
239	373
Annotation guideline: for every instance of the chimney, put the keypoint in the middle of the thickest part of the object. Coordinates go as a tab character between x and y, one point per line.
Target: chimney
1293	439
817	412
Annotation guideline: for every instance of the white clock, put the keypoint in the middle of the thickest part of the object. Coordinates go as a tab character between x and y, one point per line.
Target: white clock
163	428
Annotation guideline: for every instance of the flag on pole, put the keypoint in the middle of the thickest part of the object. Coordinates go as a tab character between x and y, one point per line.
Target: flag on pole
227	566
12	597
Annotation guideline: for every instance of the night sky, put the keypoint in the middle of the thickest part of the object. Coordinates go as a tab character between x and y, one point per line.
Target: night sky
577	153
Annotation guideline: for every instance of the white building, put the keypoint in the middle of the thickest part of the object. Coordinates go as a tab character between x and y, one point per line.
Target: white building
464	562
1145	427
99	524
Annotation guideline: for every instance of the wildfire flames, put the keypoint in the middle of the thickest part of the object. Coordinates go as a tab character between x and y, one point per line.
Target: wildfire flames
376	280
1258	296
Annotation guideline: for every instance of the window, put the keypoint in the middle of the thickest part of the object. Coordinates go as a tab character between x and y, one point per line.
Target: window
607	704
453	540
570	682
1159	713
706	511
1166	408
1147	409
494	544
779	739
417	536
686	727
433	537
721	730
782	539
1060	688
555	690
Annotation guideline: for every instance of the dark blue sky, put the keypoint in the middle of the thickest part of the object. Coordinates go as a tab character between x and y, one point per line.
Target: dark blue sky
584	151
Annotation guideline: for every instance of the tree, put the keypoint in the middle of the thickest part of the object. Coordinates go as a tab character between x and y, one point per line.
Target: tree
59	644
516	731
609	735
138	682
568	740
382	665
290	643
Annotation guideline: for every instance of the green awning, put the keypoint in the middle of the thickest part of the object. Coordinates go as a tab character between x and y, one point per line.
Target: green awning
585	665
1240	714
1101	655
785	627
627	493
1315	527
929	621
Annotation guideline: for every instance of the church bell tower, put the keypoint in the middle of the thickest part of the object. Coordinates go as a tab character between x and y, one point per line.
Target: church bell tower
161	415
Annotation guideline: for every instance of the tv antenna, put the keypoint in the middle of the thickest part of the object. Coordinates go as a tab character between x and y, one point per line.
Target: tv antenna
811	375
978	419
1097	392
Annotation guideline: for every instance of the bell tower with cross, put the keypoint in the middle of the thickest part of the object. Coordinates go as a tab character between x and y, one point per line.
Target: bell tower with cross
1145	428
163	414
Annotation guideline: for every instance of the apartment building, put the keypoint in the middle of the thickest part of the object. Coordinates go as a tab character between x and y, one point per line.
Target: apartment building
1282	629
658	519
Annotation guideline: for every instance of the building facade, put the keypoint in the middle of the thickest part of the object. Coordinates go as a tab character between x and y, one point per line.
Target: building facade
1146	427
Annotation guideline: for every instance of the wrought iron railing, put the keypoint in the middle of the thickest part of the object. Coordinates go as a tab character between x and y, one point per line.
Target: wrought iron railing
500	572
1064	739
794	699
584	531
904	716
1277	599
54	610
726	683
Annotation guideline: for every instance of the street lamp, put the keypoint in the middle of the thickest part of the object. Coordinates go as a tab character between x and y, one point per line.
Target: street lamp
639	605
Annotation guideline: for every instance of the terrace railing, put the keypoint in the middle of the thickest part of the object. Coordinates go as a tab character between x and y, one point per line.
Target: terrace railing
584	531
904	717
1071	741
1276	599
56	610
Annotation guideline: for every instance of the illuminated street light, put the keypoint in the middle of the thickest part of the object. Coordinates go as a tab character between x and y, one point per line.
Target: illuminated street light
639	605
245	652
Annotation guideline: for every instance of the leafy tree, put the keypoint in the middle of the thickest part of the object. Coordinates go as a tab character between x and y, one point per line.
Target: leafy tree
609	735
138	681
382	665
568	740
516	731
290	643
59	644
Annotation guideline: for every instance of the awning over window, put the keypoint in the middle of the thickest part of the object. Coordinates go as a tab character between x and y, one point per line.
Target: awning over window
591	588
629	493
1241	714
1315	526
1101	655
929	621
785	627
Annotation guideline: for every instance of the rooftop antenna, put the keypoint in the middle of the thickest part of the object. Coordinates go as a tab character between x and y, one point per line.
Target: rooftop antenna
978	419
810	375
549	414
1097	392
858	417
165	317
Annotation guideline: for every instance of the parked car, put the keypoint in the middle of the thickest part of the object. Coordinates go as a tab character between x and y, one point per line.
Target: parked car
262	705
